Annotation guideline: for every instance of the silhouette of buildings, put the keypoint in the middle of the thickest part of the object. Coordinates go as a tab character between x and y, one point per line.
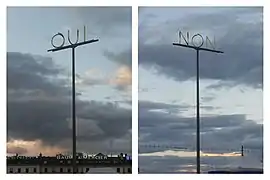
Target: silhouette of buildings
63	164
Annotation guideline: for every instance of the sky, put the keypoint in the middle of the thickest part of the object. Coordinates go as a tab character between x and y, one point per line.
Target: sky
39	82
231	88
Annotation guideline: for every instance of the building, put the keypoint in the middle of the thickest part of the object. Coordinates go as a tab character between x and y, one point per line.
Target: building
63	165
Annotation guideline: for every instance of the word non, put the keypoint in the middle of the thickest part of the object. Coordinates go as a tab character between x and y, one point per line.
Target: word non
196	40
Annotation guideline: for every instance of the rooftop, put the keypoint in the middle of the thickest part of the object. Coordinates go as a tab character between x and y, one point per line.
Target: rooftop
67	160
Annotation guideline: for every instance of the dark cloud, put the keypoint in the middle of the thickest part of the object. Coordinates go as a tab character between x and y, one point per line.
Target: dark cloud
219	18
27	73
241	40
106	19
39	108
207	98
218	132
148	105
159	131
123	58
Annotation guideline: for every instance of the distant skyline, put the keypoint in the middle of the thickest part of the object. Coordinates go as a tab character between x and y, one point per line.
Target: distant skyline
230	86
39	82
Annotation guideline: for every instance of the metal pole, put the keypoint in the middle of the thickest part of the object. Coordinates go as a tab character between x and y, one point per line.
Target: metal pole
198	97
73	112
73	46
198	113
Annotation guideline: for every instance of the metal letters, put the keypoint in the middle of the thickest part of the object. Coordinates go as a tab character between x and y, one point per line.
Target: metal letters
197	40
193	41
63	43
76	40
186	40
69	39
212	45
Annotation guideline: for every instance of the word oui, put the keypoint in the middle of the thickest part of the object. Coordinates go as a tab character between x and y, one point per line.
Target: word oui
64	40
197	40
81	157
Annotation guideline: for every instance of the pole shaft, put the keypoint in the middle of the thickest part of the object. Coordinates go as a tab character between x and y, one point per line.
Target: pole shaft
73	46
73	113
198	99
198	113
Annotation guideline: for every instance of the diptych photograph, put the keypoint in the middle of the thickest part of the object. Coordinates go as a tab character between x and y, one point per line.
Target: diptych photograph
74	76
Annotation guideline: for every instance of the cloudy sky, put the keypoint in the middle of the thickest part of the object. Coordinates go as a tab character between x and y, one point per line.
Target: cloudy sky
39	83
230	87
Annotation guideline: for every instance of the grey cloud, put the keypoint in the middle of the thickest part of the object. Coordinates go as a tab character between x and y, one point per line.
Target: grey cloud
107	15
160	131
208	108
123	58
222	84
105	20
122	81
154	164
219	17
123	88
108	97
85	81
174	165
39	108
114	145
218	132
240	40
148	105
119	119
141	90
26	72
92	81
109	23
207	98
37	64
